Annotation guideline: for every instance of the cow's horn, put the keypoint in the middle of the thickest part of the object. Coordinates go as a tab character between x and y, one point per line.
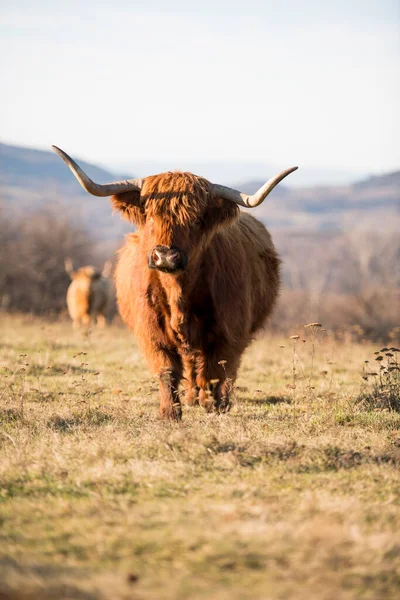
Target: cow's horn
105	189
250	201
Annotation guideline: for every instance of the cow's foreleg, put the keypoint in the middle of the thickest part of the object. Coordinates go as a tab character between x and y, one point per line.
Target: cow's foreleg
86	320
169	367
76	323
170	405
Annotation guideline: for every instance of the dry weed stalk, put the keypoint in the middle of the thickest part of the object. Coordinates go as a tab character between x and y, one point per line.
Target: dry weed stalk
293	385
315	329
21	368
296	362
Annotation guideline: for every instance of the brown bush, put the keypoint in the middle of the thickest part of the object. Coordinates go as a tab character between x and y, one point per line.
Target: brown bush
344	280
32	253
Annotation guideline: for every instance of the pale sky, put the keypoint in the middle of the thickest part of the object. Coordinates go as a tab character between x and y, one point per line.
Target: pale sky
280	82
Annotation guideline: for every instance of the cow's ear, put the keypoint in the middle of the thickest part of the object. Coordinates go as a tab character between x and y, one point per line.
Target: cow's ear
128	204
220	213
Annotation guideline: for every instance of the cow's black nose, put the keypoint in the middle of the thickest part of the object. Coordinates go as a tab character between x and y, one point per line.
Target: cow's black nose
164	257
167	259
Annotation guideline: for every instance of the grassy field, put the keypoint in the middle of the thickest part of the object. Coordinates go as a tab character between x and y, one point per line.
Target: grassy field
294	494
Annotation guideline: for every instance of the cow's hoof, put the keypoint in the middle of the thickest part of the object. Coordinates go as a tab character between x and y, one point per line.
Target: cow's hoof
191	397
223	406
171	413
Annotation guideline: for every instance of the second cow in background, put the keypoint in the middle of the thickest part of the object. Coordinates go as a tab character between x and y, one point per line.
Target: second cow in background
90	294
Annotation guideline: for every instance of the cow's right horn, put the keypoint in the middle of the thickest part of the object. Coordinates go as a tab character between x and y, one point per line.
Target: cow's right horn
251	201
96	189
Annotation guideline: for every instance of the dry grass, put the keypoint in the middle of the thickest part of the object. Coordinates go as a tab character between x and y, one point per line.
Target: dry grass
293	495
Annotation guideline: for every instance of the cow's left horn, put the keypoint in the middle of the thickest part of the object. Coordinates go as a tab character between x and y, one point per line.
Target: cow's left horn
105	189
257	198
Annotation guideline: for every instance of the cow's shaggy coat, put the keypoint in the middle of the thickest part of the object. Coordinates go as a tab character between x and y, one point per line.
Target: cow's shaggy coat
193	325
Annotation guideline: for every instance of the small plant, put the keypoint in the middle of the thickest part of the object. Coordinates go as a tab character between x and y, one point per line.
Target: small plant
293	385
316	332
15	384
382	387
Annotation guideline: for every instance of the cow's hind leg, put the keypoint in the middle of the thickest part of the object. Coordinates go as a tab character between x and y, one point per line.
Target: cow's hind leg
215	395
86	320
101	321
216	379
189	381
222	393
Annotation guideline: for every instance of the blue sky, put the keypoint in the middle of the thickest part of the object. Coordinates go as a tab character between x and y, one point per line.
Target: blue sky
276	82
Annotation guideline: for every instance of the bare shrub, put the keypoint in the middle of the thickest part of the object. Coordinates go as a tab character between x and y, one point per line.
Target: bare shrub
32	253
376	320
341	280
382	387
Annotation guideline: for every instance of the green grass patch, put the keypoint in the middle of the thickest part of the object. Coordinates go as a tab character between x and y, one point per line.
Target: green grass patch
293	494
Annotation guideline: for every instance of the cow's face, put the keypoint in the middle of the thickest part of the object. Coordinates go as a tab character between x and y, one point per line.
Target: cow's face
177	216
87	274
178	213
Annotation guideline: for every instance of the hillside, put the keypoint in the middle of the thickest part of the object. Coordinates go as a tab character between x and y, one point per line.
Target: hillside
373	203
35	168
31	179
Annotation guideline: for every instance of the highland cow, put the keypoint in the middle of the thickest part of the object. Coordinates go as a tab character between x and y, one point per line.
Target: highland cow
195	282
89	295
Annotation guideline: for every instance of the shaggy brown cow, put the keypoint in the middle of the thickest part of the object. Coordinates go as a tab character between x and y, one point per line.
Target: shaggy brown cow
89	295
195	282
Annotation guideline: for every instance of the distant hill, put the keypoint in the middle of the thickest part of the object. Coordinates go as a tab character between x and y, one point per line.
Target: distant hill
389	180
372	203
31	179
36	167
